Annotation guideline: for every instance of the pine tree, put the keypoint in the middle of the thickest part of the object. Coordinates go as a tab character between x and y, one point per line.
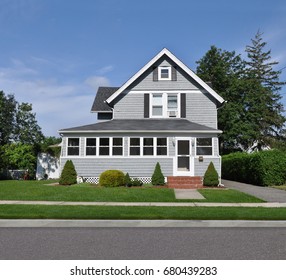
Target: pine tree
264	108
158	177
224	70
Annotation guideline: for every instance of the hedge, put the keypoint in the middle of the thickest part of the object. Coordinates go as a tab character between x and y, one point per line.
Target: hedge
265	168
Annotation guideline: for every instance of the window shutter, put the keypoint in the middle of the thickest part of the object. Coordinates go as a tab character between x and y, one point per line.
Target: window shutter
183	105
155	74
174	73
146	105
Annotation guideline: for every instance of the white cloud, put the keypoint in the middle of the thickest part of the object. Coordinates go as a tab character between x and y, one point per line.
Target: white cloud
57	104
96	81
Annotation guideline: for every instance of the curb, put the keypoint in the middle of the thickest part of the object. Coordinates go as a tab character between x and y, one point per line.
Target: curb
146	204
140	223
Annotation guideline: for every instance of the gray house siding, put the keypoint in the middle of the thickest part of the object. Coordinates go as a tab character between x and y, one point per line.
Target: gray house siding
200	108
136	167
130	106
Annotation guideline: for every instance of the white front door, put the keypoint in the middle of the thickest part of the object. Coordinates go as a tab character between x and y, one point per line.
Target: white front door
183	162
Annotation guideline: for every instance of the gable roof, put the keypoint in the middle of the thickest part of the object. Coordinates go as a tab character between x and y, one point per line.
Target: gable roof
99	104
179	63
143	125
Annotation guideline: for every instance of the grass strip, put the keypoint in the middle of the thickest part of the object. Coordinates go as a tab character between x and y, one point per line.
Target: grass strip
137	212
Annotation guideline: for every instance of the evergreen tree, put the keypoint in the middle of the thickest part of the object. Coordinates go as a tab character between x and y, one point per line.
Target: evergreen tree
224	70
68	175
264	107
158	177
211	176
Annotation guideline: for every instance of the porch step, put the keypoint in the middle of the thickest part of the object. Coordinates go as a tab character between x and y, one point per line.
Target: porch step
185	182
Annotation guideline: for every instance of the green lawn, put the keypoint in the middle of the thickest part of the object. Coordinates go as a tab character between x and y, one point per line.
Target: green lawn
38	190
137	212
280	187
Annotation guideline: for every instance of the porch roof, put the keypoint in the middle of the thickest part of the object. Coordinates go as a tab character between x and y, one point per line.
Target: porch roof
142	125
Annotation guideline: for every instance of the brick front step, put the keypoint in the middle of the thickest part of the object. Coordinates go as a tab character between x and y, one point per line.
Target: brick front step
185	182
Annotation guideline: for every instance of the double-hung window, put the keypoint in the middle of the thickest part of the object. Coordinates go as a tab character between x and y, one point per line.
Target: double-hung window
157	105
117	146
90	149
148	146
134	147
165	105
161	146
172	105
204	147
73	146
104	146
164	73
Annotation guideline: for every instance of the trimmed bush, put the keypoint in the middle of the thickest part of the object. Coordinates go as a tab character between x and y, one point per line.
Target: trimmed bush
265	168
68	176
211	176
136	183
158	177
112	178
128	182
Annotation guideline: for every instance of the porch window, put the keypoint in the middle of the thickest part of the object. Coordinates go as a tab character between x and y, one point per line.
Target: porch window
204	147
134	147
161	146
73	146
148	146
104	146
117	148
90	149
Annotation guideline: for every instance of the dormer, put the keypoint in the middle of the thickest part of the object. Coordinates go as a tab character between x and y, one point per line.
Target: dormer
99	106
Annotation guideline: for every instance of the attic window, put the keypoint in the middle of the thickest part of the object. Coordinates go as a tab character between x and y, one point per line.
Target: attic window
165	73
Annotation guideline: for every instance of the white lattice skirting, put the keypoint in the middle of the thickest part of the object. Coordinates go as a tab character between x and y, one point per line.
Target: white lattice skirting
95	180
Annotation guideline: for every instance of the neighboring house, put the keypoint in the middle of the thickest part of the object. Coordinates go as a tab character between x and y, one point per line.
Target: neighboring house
164	113
47	166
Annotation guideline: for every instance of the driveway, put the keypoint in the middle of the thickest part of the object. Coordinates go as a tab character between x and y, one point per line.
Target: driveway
265	193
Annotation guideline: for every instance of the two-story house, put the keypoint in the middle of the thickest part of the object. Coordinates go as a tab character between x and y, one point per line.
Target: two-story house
164	113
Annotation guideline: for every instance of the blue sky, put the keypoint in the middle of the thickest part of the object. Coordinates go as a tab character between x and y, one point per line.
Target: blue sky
55	53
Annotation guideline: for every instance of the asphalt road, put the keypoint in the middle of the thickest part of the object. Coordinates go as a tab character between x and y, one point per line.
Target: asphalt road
142	243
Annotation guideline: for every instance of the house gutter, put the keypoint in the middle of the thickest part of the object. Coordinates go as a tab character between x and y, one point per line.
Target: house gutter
140	131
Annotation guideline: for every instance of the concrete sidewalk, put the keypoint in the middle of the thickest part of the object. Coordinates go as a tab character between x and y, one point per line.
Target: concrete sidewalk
138	223
145	204
265	193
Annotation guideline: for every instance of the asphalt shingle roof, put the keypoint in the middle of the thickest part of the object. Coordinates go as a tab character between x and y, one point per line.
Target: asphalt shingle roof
142	125
102	94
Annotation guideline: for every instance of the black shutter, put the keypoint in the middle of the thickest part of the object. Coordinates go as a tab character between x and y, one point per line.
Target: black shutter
183	105
155	74
146	105
174	73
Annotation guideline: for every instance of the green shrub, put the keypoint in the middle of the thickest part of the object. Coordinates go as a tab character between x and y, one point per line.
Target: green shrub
128	182
265	168
158	177
112	178
211	176
136	183
68	176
